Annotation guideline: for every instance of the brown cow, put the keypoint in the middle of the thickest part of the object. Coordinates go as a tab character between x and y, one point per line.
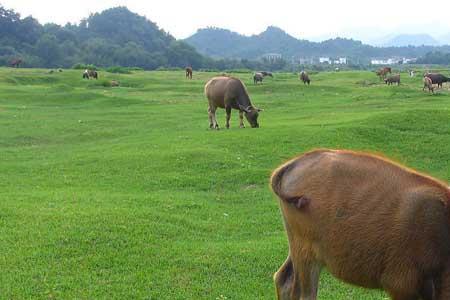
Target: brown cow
428	83
368	220
15	63
383	72
305	78
189	72
229	92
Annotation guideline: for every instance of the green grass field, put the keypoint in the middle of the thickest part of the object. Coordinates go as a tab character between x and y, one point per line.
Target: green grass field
125	193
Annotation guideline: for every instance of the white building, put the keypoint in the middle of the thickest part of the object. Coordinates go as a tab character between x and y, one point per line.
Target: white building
389	61
305	61
324	60
272	56
342	60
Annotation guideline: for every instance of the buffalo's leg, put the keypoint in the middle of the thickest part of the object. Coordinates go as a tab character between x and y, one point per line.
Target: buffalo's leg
427	292
284	281
403	296
228	113
212	116
309	280
241	119
297	281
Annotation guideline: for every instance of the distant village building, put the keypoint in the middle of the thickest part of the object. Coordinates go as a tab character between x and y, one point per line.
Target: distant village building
389	61
392	61
272	56
408	60
340	61
306	61
324	60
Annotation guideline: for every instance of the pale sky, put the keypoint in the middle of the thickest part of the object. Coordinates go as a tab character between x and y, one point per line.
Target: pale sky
310	19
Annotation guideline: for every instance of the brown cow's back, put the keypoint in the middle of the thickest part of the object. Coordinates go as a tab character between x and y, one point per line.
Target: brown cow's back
365	215
223	87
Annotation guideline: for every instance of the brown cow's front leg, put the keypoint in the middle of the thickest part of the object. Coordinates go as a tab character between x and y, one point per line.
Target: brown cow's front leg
284	281
309	280
427	292
298	281
241	119
403	296
228	110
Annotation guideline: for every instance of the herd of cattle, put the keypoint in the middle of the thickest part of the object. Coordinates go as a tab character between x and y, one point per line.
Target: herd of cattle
429	79
229	93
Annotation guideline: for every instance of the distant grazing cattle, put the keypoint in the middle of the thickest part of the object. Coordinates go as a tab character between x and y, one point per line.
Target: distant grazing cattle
115	83
393	79
93	74
230	93
189	72
428	83
305	78
258	77
383	72
88	74
411	73
437	78
15	63
371	222
266	73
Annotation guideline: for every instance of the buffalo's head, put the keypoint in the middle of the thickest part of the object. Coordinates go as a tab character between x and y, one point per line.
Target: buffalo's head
251	113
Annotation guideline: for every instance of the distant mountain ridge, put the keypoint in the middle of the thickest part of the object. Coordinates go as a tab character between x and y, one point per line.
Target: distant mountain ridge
223	43
404	40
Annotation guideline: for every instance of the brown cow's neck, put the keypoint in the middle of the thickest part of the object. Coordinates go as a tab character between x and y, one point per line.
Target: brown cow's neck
244	100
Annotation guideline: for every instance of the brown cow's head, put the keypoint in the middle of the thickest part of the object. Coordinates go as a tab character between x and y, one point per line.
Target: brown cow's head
251	113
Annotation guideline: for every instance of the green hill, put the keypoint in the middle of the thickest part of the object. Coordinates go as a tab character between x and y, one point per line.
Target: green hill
115	36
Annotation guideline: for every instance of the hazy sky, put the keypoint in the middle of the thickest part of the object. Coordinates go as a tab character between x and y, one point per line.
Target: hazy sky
303	19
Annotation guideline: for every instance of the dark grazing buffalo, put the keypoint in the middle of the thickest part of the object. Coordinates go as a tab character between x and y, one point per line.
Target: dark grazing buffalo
189	72
371	222
230	93
88	74
266	73
258	77
305	78
393	79
437	78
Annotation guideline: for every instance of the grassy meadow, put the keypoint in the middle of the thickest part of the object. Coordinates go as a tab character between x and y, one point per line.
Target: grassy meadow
125	193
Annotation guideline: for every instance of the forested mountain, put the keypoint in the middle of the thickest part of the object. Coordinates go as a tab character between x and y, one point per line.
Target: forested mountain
114	37
119	37
219	42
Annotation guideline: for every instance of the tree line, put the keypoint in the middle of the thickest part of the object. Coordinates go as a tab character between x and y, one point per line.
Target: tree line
119	37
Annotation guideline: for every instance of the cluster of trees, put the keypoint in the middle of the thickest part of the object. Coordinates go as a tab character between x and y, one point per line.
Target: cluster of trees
113	37
435	58
119	37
